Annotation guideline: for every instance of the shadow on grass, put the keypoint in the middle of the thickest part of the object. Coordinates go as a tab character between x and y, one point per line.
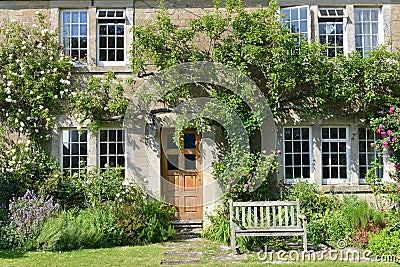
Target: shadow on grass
12	253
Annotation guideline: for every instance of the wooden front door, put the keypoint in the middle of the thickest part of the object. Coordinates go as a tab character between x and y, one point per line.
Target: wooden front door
182	179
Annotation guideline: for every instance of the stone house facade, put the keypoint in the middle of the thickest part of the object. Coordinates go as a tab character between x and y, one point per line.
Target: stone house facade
332	152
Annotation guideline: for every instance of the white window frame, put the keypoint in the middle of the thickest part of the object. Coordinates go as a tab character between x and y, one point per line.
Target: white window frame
369	155
328	181
379	34
63	35
65	139
286	20
292	153
335	16
108	142
99	24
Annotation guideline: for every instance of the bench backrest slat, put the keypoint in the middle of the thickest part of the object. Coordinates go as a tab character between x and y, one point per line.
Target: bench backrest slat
243	216
286	216
292	215
255	217
271	214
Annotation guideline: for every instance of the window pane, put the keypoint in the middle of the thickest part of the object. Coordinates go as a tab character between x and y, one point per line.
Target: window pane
75	17
111	30
103	42
66	17
172	162
112	149
103	30
83	16
288	133
294	14
83	30
189	141
103	55
111	55
120	55
111	42
190	162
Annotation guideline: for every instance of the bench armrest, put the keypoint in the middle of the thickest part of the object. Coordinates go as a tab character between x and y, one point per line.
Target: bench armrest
302	217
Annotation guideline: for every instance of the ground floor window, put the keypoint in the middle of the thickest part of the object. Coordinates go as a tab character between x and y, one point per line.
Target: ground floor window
111	148
335	153
297	152
74	151
367	153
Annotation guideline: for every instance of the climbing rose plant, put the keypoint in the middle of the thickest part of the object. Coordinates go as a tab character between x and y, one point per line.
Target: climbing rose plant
387	128
34	77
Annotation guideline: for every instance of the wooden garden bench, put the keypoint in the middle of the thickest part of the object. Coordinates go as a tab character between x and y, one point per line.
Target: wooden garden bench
267	218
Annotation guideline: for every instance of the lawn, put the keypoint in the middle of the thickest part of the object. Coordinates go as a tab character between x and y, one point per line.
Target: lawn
150	255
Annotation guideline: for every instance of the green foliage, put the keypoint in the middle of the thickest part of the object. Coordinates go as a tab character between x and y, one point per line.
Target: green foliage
26	166
248	178
289	70
143	221
313	202
360	215
96	102
219	229
27	215
72	230
34	77
386	242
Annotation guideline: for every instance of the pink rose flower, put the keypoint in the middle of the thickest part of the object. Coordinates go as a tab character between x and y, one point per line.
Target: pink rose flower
389	132
383	134
279	152
372	144
391	110
246	186
394	138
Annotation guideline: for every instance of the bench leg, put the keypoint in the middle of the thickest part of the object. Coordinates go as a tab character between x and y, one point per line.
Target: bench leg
305	242
233	243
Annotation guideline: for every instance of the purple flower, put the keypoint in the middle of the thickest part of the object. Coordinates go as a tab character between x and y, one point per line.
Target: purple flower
246	186
231	181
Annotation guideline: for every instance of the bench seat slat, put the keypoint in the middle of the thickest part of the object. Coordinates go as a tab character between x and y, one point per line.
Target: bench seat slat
265	203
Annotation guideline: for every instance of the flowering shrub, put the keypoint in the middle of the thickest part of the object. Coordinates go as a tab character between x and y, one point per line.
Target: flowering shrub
387	127
25	166
34	77
245	182
26	217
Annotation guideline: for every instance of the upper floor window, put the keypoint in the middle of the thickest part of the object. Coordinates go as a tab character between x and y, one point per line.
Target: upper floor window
74	151
331	30
297	19
335	155
366	23
74	34
297	152
111	37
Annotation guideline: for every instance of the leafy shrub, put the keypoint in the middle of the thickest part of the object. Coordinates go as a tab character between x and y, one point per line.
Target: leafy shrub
142	221
27	216
313	203
219	229
386	242
91	188
72	230
26	166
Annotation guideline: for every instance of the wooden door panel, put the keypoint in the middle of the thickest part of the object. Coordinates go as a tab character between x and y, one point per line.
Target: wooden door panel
182	181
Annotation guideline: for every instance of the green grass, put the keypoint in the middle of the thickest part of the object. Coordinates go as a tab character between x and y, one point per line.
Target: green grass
150	255
120	256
